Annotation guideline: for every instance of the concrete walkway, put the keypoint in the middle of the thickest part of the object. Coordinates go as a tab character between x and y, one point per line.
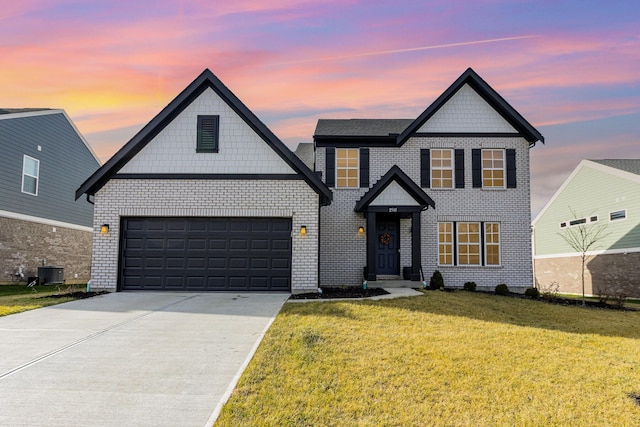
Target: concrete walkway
129	359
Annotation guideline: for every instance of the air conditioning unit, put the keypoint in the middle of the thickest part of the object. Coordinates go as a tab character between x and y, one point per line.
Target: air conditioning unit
50	274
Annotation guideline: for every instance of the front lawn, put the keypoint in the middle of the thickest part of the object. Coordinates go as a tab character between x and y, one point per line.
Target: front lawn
17	298
454	359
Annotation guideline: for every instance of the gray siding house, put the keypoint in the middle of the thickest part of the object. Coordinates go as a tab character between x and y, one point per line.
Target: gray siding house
613	262
206	198
44	159
446	191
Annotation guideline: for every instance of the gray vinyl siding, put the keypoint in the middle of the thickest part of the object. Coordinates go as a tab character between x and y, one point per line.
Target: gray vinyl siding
65	162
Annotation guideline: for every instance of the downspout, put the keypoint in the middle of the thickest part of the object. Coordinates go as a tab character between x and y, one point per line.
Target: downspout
89	199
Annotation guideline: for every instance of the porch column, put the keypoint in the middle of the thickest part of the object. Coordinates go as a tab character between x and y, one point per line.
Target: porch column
416	246
372	242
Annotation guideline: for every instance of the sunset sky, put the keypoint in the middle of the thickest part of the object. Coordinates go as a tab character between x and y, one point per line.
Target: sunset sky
571	68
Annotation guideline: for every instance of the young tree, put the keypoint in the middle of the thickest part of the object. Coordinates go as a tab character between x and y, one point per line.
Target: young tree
583	237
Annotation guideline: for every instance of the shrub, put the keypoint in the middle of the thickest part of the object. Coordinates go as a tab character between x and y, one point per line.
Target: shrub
470	286
550	292
436	282
532	293
502	289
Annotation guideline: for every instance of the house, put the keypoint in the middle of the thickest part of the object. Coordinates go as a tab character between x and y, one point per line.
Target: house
44	159
599	194
447	191
204	198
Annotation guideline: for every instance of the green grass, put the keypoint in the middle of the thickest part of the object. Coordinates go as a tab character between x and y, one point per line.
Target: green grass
17	298
451	359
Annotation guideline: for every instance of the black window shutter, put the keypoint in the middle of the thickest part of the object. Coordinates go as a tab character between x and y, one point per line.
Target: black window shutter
330	167
207	138
425	168
364	168
511	168
459	165
476	166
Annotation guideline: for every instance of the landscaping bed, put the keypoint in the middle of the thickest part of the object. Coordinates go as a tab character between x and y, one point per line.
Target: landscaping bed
342	292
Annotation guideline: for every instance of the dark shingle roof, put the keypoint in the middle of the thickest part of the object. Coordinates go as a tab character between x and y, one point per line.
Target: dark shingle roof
21	110
627	165
361	127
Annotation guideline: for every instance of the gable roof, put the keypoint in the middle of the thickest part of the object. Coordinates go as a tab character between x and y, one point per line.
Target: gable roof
619	167
21	110
487	93
395	132
395	174
204	81
626	165
26	113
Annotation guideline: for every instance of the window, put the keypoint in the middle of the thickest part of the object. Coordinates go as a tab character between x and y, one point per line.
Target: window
30	174
578	221
471	249
347	167
491	243
614	216
468	243
207	134
441	168
445	243
493	168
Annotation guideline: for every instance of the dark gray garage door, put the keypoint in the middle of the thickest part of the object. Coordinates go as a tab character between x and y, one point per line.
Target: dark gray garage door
206	254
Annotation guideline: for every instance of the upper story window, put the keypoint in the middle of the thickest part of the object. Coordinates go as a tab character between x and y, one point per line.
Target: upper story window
347	167
30	175
617	215
208	134
441	168
493	168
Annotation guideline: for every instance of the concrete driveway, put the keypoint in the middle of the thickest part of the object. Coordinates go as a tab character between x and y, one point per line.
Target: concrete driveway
129	358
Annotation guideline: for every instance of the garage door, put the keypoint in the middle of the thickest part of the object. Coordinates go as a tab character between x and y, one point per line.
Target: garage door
206	254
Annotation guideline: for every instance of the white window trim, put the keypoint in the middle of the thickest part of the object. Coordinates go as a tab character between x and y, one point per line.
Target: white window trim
357	168
504	168
479	264
453	243
482	244
619	219
451	168
499	244
24	173
587	220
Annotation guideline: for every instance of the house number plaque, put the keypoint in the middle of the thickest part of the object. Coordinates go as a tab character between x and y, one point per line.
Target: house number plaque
393	209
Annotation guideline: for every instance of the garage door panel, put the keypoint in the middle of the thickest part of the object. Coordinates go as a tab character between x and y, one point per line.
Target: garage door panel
206	254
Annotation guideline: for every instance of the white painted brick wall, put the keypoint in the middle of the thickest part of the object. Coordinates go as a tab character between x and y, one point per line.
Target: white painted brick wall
343	253
466	111
207	198
173	150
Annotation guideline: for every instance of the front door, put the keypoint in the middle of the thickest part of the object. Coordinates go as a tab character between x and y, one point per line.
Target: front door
388	243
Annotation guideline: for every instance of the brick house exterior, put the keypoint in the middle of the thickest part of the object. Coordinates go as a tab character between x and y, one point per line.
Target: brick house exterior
205	197
415	196
44	159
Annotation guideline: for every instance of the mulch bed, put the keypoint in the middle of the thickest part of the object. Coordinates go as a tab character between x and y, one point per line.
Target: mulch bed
342	292
76	295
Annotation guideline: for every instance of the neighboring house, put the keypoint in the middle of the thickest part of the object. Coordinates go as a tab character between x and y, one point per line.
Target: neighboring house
205	197
601	193
44	159
446	191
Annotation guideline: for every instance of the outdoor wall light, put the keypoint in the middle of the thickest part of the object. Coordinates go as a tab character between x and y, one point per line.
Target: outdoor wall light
361	230
104	229
303	230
